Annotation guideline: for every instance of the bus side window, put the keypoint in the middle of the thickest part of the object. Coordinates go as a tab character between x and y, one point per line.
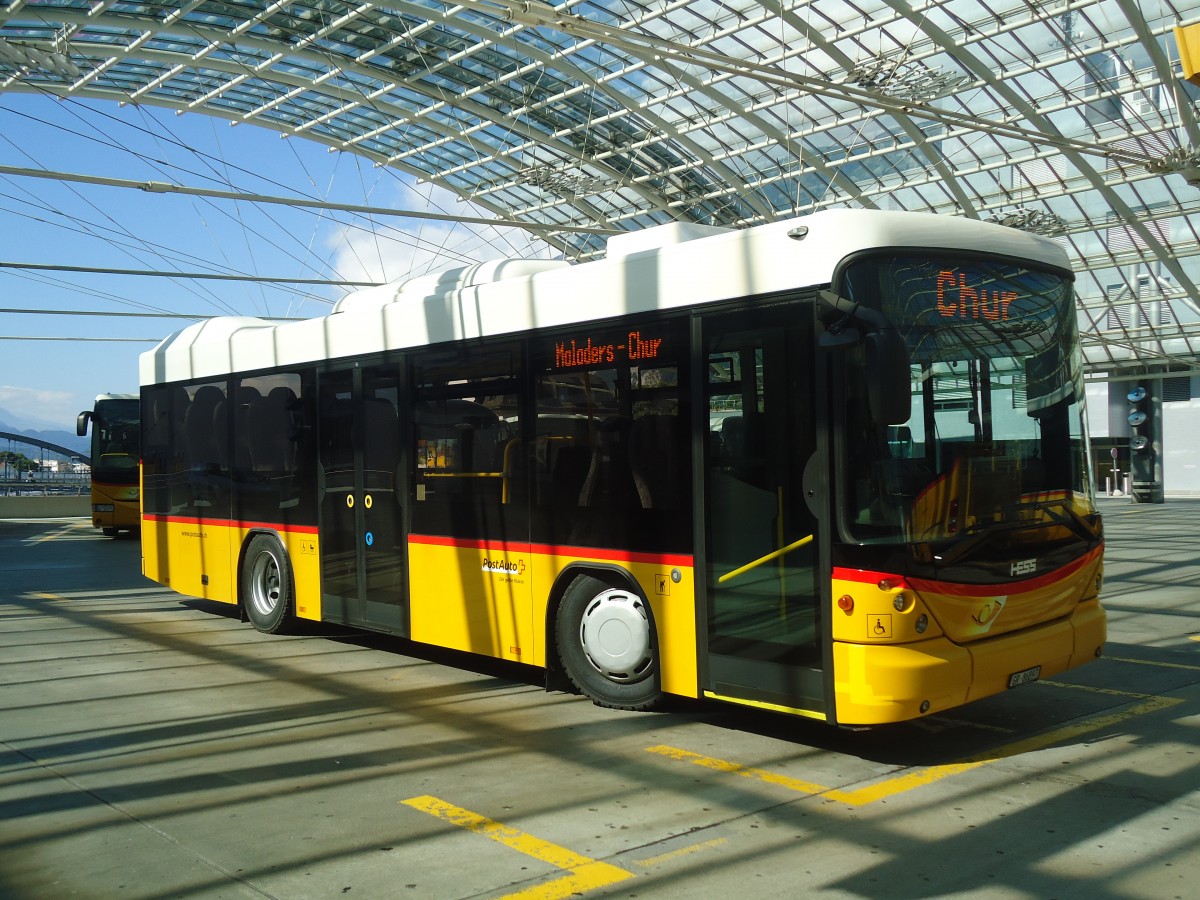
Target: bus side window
162	416
272	444
468	474
611	463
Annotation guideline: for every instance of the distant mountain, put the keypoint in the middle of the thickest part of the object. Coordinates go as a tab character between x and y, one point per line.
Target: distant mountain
12	422
48	433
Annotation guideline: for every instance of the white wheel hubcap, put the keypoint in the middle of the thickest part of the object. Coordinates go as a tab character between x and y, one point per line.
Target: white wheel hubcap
615	635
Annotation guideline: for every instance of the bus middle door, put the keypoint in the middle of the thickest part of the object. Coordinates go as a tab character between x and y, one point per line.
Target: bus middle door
363	538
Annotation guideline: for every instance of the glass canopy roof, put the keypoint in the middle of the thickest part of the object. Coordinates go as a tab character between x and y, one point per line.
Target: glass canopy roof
1066	118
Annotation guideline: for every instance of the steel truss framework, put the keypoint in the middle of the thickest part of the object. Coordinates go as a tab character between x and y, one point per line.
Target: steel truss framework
1068	118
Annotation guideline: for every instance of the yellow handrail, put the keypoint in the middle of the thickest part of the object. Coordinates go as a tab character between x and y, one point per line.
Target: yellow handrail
742	570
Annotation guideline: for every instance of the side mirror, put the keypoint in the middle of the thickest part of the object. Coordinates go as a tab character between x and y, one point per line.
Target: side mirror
841	339
81	423
888	388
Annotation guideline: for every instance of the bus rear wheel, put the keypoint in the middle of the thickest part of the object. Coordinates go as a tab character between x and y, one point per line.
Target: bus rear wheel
266	584
608	646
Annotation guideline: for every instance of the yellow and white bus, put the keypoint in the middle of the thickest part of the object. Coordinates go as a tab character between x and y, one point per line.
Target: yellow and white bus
113	420
835	466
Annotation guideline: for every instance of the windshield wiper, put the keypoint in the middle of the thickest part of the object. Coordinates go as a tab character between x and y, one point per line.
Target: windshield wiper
1069	517
971	537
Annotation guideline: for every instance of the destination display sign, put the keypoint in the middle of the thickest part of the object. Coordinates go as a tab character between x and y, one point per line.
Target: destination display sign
964	294
590	352
962	308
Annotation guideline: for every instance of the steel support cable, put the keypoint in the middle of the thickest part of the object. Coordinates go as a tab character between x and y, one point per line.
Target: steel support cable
162	187
921	146
209	276
206	158
98	340
1072	150
139	315
137	248
535	13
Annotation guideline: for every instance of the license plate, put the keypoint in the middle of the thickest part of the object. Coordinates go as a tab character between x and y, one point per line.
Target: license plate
1024	677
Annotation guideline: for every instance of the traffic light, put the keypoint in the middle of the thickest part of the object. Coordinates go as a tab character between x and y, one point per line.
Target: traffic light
1139	417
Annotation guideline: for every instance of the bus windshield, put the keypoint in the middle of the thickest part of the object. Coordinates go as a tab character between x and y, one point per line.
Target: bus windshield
115	441
997	435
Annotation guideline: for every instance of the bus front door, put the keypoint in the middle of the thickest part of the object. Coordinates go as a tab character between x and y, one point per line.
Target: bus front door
363	494
762	543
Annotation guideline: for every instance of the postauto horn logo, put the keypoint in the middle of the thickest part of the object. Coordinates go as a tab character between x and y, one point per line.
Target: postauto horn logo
504	566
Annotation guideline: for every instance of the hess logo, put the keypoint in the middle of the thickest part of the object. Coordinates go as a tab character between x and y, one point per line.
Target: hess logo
1023	567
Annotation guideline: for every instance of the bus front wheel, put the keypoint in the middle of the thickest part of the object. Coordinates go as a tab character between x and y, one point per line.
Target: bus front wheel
267	584
607	645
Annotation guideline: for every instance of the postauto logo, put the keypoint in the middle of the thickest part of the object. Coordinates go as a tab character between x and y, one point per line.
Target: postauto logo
504	566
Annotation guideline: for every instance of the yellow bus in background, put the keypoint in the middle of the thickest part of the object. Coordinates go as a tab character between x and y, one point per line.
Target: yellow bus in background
116	436
834	467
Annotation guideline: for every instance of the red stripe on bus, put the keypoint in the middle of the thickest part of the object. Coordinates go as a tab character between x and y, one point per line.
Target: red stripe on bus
231	523
665	559
866	576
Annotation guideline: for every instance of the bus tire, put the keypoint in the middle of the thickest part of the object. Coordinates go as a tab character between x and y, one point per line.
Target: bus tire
607	645
266	584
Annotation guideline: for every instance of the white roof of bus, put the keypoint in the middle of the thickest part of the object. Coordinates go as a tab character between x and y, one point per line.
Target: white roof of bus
518	295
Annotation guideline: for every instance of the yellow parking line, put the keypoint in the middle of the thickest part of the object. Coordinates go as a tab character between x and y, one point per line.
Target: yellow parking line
682	852
1093	689
585	874
721	765
1149	704
904	782
890	787
1150	662
53	535
908	781
901	783
585	878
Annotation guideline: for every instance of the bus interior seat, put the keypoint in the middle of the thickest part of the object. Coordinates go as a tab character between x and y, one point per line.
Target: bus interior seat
281	406
716	447
568	472
561	456
243	457
220	433
733	431
198	427
609	482
654	460
166	426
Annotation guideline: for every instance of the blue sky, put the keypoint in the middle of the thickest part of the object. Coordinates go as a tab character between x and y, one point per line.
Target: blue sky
45	383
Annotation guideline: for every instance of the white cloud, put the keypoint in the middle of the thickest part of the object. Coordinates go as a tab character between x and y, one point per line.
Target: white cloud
403	248
39	409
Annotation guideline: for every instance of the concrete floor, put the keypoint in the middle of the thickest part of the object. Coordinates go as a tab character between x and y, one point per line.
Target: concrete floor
154	746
